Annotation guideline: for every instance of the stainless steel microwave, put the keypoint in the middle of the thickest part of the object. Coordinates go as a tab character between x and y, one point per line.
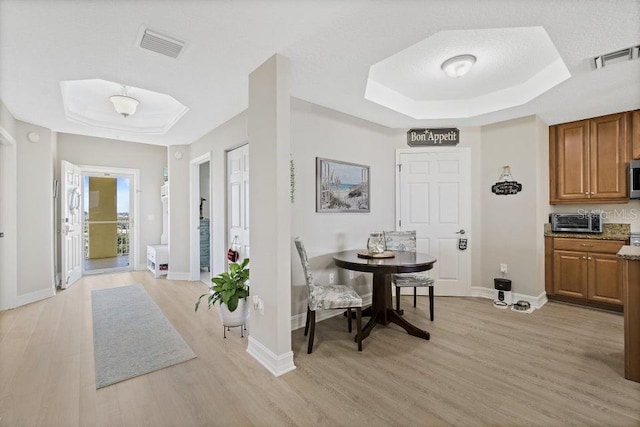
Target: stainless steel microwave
587	222
634	179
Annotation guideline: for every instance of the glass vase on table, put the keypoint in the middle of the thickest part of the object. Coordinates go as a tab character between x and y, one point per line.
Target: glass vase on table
375	243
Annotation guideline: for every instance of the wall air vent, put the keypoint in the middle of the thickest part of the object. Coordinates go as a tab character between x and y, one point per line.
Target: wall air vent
159	43
618	56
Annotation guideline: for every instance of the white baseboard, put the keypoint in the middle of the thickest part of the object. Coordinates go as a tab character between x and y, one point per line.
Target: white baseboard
276	364
33	297
535	301
298	320
180	275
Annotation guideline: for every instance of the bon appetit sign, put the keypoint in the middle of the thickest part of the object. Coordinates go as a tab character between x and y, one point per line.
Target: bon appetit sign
444	137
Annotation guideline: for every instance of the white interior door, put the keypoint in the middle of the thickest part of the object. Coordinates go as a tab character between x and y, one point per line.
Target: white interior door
71	229
238	200
434	198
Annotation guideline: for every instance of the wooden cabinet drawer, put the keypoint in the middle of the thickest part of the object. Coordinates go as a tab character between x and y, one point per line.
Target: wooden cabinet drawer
588	245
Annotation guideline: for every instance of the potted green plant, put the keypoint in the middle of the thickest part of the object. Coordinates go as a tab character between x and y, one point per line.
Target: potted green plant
229	291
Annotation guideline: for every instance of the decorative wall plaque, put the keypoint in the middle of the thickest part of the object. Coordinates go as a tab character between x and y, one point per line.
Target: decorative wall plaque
444	137
506	185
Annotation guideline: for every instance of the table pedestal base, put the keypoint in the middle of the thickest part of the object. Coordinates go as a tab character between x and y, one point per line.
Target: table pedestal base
393	317
382	313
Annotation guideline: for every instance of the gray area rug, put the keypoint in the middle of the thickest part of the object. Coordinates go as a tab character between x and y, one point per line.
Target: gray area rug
131	335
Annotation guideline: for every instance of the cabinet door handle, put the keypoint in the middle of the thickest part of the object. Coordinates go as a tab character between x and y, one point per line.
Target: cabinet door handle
591	192
588	257
587	246
584	257
586	193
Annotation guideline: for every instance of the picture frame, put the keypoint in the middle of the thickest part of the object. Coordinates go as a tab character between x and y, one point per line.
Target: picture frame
342	187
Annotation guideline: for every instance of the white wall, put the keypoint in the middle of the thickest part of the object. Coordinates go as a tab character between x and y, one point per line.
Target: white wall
512	225
320	132
205	183
34	204
149	159
179	210
8	210
225	137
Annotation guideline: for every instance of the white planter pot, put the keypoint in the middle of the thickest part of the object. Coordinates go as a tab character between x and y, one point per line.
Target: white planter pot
238	317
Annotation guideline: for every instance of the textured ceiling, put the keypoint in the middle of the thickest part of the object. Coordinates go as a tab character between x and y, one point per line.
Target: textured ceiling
331	44
514	65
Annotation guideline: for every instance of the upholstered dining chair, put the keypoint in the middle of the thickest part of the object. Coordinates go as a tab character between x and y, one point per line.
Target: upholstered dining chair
327	297
406	241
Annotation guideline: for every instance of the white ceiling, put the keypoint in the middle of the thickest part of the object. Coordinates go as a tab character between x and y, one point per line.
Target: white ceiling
331	44
514	65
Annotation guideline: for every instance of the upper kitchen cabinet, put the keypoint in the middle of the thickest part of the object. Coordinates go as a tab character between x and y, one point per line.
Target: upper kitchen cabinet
635	135
588	161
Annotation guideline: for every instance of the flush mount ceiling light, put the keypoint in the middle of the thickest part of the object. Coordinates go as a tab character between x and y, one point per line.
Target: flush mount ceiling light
458	66
124	104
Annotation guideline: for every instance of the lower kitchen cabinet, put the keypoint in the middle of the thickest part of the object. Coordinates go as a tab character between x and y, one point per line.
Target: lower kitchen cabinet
584	271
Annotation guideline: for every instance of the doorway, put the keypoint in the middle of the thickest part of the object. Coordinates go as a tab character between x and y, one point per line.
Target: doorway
91	220
106	223
433	197
201	238
238	201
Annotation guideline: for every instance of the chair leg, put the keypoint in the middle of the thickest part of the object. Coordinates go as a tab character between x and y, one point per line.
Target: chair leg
398	299
306	323
349	318
313	331
224	331
431	301
359	327
415	293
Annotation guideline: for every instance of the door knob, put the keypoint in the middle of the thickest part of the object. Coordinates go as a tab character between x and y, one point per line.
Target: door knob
461	231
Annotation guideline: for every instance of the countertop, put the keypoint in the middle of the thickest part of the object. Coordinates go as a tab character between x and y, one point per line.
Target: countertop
609	232
629	252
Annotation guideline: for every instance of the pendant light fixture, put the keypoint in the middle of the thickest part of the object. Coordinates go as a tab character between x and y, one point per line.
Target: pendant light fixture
124	104
459	65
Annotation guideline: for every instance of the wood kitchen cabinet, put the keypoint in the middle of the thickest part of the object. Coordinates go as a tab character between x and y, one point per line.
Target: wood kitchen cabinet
635	134
588	160
584	271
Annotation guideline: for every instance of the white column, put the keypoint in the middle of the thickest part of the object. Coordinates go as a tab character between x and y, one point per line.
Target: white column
270	213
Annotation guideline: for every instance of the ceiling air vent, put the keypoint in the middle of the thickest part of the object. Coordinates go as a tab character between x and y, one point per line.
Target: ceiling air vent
161	44
618	56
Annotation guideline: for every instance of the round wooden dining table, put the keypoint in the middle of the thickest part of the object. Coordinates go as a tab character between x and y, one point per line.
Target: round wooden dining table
382	311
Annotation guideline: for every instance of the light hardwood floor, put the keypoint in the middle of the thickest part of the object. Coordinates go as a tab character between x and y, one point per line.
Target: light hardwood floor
561	365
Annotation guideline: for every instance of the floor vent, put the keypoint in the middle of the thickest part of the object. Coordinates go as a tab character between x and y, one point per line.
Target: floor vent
161	44
618	56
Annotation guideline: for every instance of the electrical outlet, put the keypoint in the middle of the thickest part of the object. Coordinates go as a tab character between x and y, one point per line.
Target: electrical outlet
332	277
503	268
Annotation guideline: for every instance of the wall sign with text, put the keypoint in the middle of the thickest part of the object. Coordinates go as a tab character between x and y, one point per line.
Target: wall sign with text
444	137
506	188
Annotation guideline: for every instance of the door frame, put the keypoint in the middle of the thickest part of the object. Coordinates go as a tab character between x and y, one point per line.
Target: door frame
194	215
134	219
227	194
466	152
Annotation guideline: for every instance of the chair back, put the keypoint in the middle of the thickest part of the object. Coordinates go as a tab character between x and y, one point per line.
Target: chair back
400	240
304	260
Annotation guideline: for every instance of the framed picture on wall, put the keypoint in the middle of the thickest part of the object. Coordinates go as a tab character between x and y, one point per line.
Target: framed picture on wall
341	186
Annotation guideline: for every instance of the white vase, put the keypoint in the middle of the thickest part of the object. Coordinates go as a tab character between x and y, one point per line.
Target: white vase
238	317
